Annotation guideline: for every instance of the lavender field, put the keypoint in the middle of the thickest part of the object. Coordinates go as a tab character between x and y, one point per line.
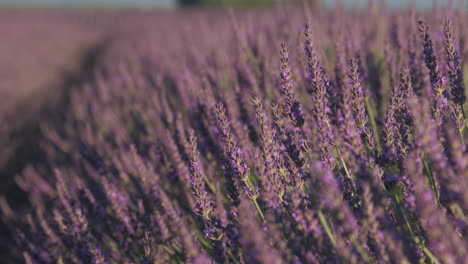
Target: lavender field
295	134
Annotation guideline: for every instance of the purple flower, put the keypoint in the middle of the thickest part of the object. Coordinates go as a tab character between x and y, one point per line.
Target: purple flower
319	87
442	238
438	87
359	105
277	174
204	205
455	73
292	105
453	63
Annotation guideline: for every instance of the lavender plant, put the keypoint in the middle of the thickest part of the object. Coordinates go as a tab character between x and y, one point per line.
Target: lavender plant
187	143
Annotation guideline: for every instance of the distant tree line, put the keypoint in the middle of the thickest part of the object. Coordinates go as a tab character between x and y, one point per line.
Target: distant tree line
245	3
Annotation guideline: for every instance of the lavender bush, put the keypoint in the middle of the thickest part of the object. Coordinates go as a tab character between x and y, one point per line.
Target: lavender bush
288	135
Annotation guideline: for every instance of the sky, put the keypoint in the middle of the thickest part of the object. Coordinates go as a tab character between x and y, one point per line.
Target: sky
159	3
168	3
400	3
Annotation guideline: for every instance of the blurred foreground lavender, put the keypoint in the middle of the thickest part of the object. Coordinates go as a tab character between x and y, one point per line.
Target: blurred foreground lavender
278	136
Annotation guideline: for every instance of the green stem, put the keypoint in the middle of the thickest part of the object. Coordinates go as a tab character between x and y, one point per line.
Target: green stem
210	184
259	210
461	136
325	225
405	217
463	111
168	250
247	183
302	187
345	168
413	235
362	252
232	256
430	255
254	199
431	180
370	109
341	157
204	241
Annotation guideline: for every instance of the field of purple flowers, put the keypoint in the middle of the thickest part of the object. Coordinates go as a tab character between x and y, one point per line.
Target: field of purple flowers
290	135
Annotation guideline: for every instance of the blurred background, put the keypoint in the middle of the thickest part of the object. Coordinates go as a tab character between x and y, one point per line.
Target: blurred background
47	45
239	3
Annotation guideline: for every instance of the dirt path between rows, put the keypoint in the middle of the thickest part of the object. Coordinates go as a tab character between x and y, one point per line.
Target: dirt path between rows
48	101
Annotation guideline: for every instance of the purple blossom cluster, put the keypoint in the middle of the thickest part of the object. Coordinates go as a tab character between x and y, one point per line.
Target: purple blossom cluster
290	135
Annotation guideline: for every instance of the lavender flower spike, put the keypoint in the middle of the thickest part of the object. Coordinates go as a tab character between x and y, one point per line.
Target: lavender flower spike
235	166
359	105
292	105
204	205
443	240
454	65
438	87
321	109
275	169
390	132
455	73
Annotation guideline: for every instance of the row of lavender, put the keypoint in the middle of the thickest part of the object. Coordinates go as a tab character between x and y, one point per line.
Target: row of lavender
27	70
281	136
